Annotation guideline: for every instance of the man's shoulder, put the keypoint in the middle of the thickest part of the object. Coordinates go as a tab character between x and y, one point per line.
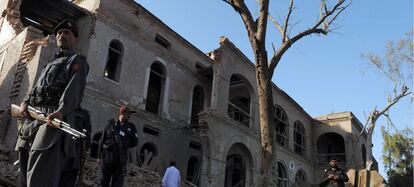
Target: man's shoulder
131	125
341	169
109	123
81	59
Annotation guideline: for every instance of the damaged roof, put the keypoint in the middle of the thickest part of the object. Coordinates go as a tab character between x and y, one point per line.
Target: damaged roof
46	14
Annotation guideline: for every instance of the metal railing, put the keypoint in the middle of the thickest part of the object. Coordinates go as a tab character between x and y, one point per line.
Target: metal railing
237	114
324	158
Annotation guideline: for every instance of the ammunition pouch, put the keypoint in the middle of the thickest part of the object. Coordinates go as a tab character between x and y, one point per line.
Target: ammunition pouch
46	96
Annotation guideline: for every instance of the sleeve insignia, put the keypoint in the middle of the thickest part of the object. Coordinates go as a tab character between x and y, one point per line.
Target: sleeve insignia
76	67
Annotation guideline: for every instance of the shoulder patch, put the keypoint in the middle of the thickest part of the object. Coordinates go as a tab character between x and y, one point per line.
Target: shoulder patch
76	67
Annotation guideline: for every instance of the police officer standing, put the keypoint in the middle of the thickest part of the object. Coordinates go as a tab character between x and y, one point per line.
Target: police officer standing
334	176
117	137
48	156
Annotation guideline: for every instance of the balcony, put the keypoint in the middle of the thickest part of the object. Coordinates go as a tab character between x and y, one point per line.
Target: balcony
323	159
237	114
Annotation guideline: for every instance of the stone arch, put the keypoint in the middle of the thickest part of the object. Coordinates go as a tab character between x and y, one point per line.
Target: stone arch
282	174
301	177
331	145
299	134
282	126
147	153
239	165
156	88
241	97
113	64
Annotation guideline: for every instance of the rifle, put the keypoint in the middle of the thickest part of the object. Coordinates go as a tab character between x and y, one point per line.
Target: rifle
40	116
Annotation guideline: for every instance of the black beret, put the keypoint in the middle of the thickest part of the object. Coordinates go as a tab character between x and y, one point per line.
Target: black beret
67	24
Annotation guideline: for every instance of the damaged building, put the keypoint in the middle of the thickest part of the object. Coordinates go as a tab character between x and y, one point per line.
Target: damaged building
197	109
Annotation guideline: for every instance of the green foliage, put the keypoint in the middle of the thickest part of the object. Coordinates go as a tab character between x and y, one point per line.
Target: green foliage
398	155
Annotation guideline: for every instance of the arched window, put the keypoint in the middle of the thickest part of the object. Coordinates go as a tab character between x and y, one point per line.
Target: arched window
147	153
192	169
300	177
299	138
197	104
114	61
155	88
364	155
282	179
331	145
239	100
281	126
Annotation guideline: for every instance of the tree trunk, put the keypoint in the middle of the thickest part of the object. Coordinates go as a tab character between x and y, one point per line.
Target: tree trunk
265	117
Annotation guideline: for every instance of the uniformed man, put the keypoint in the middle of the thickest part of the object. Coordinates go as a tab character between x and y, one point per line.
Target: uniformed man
48	156
334	176
117	137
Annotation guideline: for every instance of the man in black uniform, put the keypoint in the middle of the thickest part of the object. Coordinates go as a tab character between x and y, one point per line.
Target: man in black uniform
117	137
334	176
48	156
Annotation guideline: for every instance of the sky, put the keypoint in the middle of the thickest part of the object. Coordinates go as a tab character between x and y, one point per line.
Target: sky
324	74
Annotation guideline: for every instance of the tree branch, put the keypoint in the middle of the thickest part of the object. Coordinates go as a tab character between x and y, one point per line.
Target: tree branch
391	123
375	114
315	29
284	36
341	9
277	25
241	8
404	92
286	45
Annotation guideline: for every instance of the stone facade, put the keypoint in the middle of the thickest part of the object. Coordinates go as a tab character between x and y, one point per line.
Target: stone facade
199	110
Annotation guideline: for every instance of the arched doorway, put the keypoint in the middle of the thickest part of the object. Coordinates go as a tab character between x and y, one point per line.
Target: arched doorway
192	169
238	166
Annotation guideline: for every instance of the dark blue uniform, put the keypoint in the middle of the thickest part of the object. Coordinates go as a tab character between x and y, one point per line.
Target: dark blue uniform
46	152
113	147
340	182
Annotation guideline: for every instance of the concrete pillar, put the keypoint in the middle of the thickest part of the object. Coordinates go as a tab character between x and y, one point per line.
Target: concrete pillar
220	91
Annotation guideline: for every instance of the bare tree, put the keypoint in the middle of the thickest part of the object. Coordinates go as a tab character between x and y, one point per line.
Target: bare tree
397	66
256	30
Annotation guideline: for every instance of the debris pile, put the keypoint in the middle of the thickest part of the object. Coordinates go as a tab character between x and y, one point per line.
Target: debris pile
135	176
8	172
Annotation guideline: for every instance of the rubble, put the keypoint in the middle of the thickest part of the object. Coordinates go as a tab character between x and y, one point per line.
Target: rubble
135	176
8	172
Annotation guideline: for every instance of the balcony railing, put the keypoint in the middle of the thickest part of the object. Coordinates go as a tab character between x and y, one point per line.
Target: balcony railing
323	159
237	114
